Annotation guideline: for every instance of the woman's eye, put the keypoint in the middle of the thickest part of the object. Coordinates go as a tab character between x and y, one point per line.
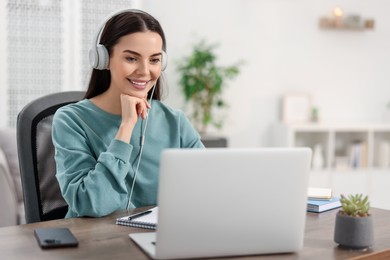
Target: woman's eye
155	61
131	59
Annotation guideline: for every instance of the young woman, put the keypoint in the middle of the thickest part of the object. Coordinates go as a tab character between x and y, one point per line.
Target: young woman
108	145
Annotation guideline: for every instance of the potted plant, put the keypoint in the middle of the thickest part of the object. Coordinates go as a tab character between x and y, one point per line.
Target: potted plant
354	226
202	82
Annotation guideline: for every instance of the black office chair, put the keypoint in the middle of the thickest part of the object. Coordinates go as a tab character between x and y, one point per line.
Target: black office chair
41	192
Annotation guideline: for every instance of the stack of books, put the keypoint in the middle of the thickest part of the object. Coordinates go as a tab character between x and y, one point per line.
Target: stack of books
321	199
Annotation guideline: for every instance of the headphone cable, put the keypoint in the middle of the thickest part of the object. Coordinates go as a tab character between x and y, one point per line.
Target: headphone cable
142	140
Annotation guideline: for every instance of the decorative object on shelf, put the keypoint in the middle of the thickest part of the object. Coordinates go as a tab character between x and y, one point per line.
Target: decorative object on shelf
354	225
339	20
384	154
296	108
318	157
314	114
203	82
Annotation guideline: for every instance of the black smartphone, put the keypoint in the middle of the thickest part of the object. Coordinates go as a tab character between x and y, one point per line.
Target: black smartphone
55	237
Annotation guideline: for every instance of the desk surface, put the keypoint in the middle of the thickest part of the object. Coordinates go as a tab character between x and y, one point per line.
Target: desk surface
101	238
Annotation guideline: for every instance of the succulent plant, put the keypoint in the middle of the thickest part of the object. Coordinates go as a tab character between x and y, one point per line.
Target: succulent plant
355	205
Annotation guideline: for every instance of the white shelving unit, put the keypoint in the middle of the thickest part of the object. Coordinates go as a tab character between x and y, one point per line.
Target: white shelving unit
369	143
338	141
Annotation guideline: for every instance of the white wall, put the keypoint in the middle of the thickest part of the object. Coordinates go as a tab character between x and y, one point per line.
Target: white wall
347	72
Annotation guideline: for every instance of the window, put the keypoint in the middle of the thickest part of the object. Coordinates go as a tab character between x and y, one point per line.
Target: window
47	46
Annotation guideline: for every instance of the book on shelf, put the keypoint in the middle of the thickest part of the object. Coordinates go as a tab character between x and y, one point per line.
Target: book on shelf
323	205
145	219
319	193
358	154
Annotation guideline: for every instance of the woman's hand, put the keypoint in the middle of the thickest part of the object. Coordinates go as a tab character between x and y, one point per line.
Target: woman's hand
132	107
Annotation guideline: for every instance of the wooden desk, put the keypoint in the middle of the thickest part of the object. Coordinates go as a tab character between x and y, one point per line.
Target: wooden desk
101	238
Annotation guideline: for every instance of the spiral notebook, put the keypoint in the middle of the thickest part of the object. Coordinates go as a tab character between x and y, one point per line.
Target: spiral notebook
148	221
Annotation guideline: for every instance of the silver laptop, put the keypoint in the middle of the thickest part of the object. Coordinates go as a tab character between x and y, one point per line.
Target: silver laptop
229	202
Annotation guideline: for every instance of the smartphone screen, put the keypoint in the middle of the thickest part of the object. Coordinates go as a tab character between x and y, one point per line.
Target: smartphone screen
55	237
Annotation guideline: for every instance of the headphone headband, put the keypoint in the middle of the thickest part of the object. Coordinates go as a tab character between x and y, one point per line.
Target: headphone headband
98	54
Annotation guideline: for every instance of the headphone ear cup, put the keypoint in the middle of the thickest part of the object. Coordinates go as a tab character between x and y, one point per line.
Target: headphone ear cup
164	61
93	58
103	57
99	58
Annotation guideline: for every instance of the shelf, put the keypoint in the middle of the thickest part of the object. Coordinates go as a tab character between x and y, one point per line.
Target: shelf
335	24
349	147
372	180
342	21
330	126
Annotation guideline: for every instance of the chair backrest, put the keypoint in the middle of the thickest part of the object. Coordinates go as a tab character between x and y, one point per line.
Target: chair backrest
41	192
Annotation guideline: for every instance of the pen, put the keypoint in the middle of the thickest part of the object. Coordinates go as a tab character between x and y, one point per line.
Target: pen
137	215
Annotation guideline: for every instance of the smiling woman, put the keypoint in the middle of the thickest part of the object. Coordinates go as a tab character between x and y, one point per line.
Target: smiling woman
135	65
100	140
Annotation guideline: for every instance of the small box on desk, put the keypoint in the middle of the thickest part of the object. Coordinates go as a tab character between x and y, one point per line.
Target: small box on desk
214	141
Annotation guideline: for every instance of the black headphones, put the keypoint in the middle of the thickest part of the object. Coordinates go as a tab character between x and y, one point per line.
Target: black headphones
98	54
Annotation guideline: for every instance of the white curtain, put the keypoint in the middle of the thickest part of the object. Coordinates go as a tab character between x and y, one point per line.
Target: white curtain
47	46
34	50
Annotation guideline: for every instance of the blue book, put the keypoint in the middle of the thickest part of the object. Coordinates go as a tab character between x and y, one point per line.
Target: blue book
323	205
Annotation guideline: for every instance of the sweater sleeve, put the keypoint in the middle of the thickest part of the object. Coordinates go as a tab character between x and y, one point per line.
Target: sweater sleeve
189	137
92	184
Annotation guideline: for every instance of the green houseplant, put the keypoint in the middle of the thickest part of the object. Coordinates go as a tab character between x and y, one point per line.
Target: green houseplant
202	82
354	226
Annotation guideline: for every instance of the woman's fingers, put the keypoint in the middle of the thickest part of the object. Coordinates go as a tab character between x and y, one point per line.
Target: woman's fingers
143	109
132	107
148	105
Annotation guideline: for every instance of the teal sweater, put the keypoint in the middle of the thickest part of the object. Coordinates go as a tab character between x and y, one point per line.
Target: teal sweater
95	171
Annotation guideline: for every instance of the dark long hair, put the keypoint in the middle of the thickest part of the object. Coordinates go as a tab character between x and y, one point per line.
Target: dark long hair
120	25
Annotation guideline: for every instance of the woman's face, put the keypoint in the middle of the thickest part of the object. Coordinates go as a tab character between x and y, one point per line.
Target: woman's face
135	63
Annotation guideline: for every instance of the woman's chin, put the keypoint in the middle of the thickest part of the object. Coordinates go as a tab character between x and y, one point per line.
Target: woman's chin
136	94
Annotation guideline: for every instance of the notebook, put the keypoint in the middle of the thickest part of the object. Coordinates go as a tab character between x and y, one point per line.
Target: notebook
229	202
148	220
319	193
323	205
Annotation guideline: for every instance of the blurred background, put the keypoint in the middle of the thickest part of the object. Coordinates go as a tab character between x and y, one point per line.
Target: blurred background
346	72
313	73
